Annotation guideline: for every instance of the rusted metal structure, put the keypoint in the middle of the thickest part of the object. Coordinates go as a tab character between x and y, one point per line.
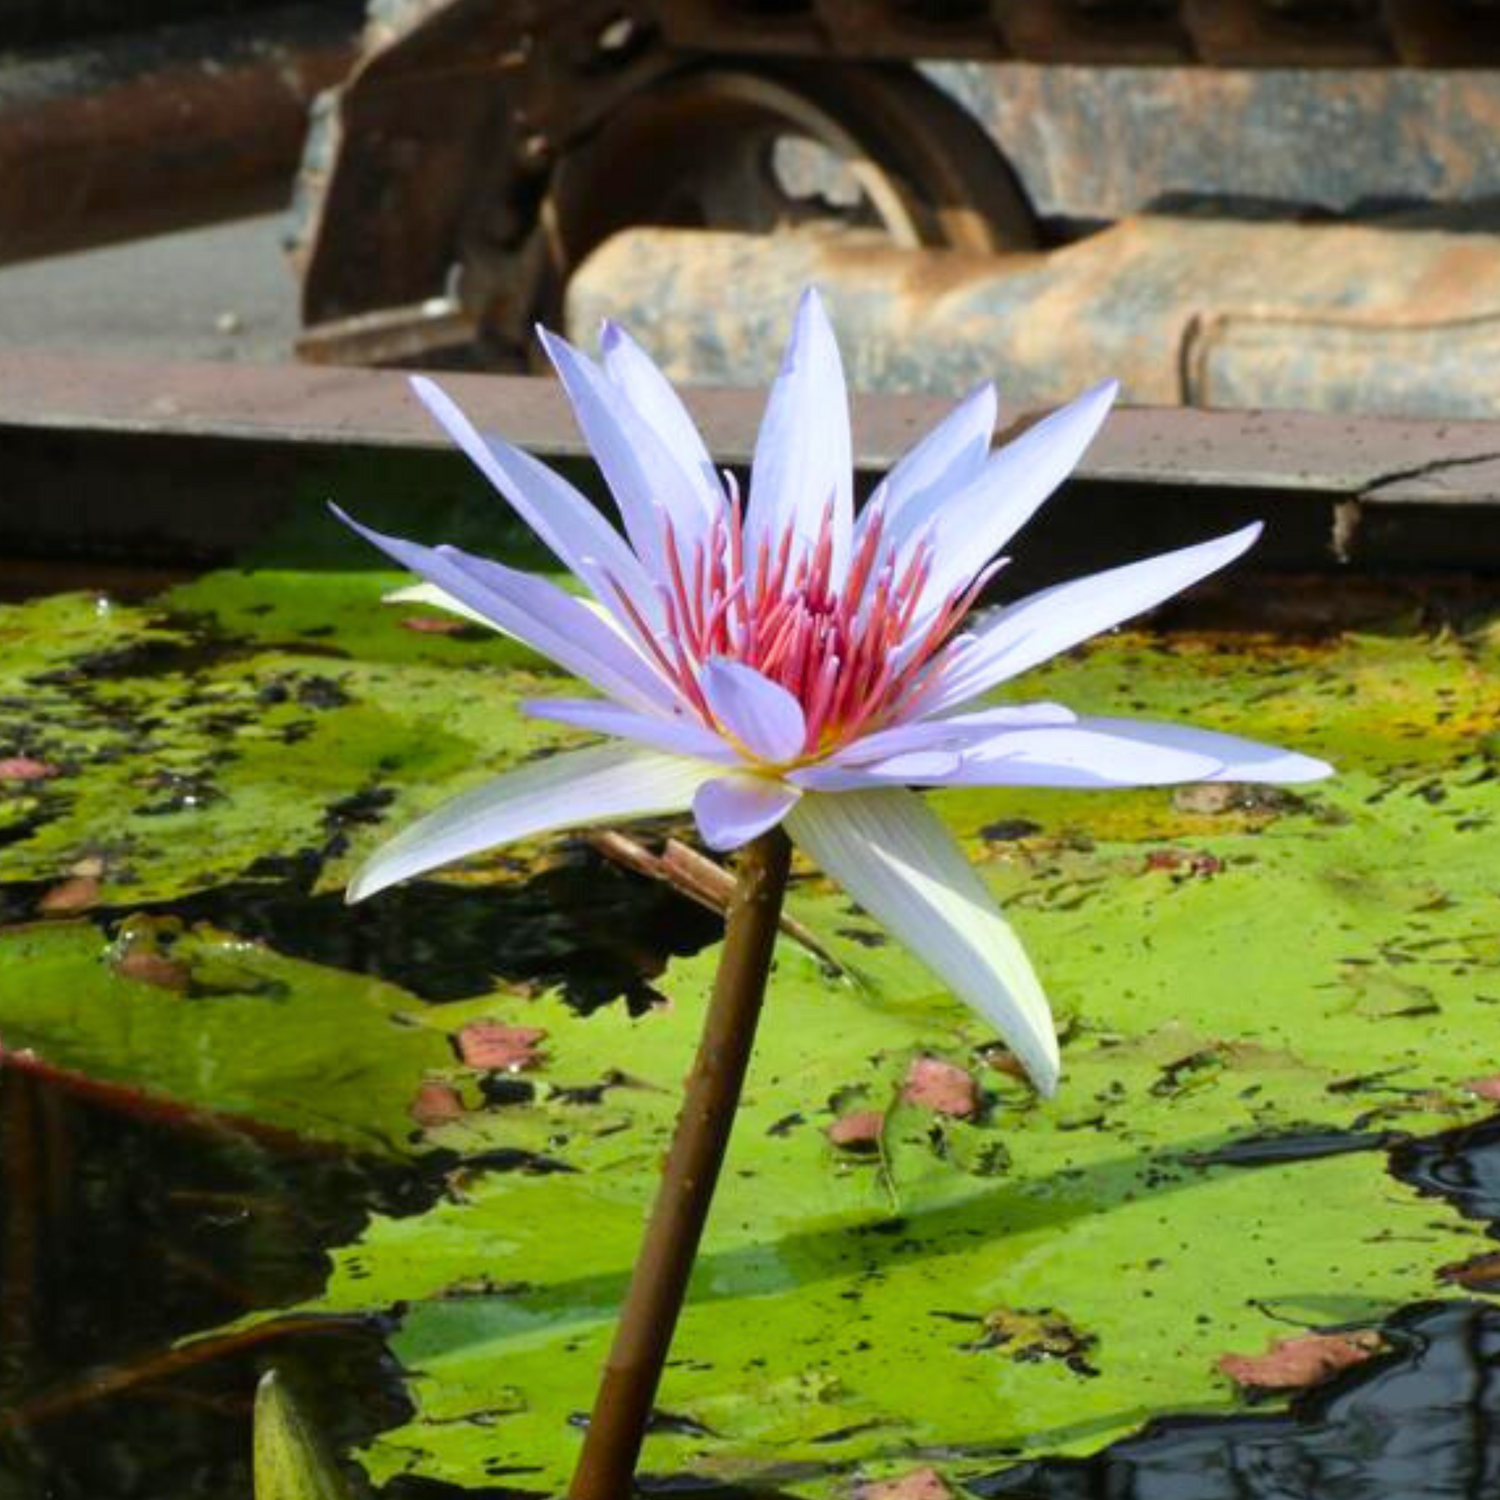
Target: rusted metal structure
182	464
485	149
118	121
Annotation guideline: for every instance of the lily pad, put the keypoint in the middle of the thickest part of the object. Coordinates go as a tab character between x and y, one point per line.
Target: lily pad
215	1025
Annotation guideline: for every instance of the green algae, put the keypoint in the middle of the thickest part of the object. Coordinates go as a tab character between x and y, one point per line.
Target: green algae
1229	966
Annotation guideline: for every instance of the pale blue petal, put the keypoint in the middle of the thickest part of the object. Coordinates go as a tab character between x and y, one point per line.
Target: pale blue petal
1085	754
732	810
540	615
1043	624
893	856
603	784
645	478
564	518
942	463
952	733
803	452
973	524
1240	759
913	768
678	736
754	711
635	373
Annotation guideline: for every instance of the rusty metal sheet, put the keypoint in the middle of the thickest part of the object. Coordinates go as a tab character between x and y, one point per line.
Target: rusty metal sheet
1290	453
1234	33
152	132
1099	143
1131	301
172	465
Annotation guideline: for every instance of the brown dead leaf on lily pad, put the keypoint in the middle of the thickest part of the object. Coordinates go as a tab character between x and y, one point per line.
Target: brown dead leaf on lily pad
436	1103
26	768
942	1087
917	1484
146	966
493	1046
1292	1364
435	625
76	893
858	1131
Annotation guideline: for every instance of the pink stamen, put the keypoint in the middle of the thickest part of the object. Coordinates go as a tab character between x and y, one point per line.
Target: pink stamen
844	648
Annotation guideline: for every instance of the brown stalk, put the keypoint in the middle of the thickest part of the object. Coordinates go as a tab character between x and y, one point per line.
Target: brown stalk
696	877
659	1282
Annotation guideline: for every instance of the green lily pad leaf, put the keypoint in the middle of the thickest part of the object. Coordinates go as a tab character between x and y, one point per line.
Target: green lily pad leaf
1041	1278
200	1021
1252	986
187	757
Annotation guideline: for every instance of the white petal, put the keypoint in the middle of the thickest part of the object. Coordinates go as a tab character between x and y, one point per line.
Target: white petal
1043	624
732	810
803	452
894	857
944	462
1085	754
957	732
563	517
599	785
1240	759
644	476
636	374
976	522
537	613
678	736
914	768
760	714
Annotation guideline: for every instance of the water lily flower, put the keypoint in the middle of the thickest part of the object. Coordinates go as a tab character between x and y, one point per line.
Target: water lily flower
784	661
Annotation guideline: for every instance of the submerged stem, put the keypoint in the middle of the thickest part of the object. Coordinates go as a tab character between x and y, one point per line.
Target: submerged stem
659	1281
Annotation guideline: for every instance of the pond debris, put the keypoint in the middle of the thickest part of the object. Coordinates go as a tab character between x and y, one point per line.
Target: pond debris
942	1087
1296	1363
437	1103
915	1484
858	1132
78	893
1212	798
1031	1335
494	1046
27	768
435	625
698	878
1185	864
1480	1273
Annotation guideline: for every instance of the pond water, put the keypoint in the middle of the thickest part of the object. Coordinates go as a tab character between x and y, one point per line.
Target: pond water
402	1151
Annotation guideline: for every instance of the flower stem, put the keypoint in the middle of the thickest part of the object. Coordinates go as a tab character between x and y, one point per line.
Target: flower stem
658	1284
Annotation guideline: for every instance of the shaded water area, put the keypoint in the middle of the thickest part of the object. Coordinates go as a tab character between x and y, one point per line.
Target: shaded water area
401	1151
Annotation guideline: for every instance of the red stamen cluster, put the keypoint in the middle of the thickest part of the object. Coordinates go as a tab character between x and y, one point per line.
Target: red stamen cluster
846	655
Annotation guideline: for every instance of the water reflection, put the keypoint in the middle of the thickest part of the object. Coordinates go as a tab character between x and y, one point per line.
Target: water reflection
120	1235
